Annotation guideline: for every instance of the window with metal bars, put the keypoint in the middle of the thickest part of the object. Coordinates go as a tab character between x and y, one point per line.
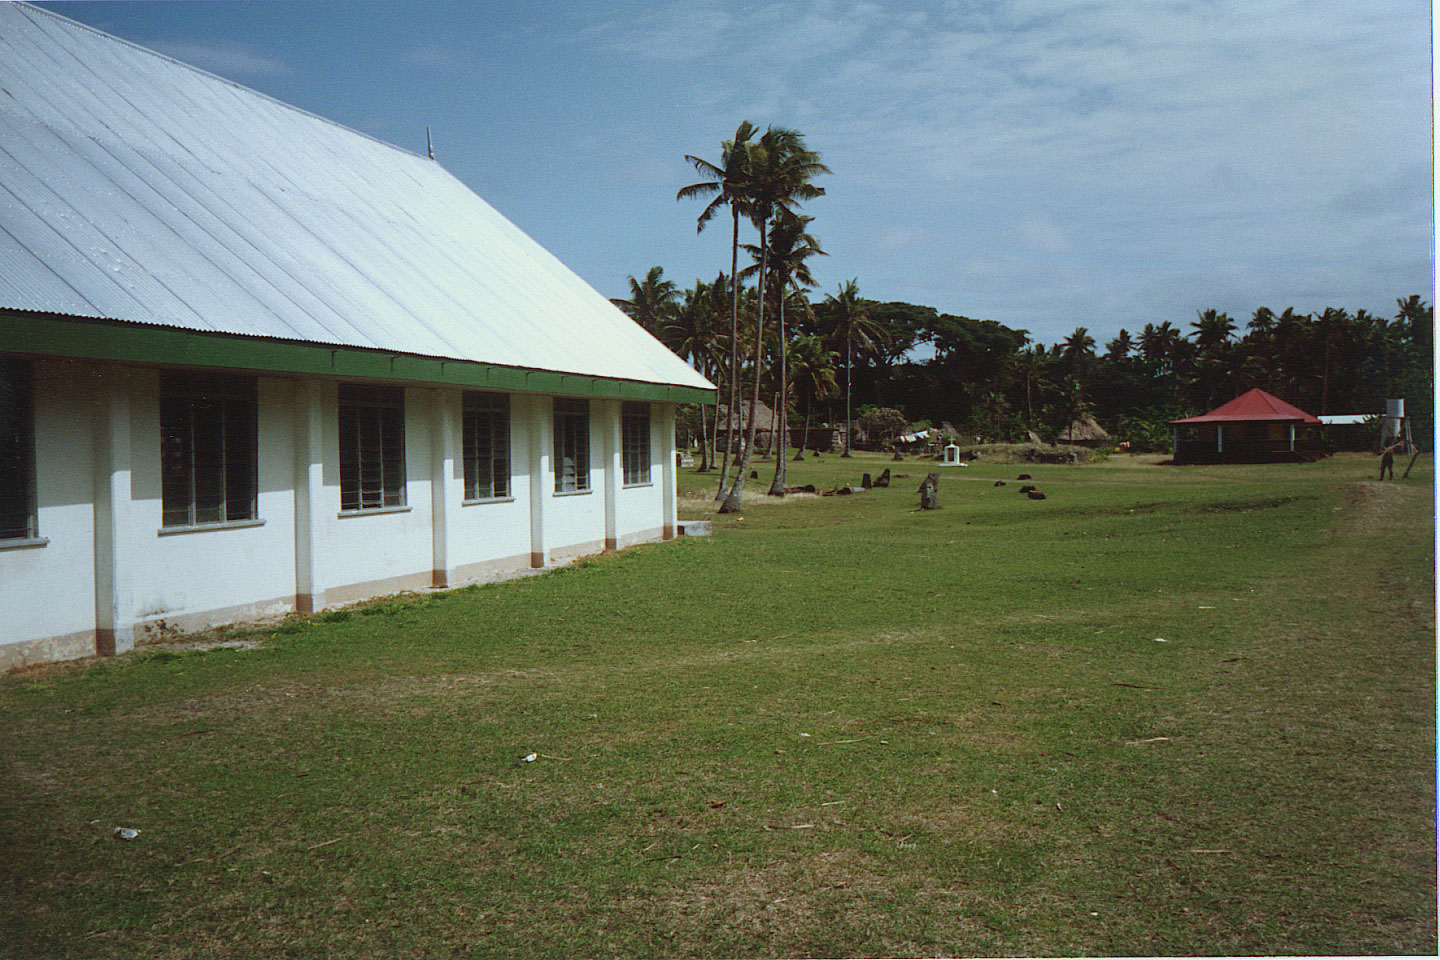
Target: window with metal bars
208	445
572	446
372	447
485	438
17	451
635	442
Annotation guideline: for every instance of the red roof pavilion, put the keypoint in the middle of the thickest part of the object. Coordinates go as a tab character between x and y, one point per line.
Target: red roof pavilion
1253	428
1253	405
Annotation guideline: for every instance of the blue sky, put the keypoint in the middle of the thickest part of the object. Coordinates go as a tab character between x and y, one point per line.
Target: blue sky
1044	163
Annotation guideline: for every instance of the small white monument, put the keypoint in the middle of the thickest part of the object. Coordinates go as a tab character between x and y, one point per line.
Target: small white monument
952	456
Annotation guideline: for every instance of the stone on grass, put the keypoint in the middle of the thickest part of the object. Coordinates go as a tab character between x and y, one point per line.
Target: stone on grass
930	492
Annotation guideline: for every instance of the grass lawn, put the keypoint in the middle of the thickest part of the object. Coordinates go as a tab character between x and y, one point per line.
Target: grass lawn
838	727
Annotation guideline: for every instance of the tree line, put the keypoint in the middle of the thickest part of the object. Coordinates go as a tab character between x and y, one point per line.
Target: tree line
760	334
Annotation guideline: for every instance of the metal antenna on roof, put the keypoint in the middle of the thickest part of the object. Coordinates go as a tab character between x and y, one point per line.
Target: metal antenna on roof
429	150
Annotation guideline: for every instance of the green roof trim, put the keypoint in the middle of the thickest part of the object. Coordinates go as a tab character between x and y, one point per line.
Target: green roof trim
81	338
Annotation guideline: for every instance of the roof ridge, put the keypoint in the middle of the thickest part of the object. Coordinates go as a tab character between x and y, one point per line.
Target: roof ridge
30	7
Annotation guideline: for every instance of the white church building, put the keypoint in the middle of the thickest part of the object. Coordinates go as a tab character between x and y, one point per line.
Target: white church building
252	362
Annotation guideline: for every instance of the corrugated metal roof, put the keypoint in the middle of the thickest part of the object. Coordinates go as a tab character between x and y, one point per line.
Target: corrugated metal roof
1252	405
137	188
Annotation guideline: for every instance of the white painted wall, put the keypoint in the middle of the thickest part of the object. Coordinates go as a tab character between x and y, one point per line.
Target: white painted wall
180	577
639	508
48	592
495	531
377	546
575	522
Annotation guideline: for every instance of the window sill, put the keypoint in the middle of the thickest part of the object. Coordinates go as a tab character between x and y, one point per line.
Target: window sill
202	527
645	483
372	511
573	493
19	543
476	503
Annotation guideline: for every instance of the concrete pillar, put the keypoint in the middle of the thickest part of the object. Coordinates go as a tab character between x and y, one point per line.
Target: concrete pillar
447	480
542	482
665	425
1292	438
1219	438
114	548
611	449
309	494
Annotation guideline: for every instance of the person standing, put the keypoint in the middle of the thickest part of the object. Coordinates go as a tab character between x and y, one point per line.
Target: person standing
1387	461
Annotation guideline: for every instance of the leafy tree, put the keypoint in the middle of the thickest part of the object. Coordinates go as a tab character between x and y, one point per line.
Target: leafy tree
883	424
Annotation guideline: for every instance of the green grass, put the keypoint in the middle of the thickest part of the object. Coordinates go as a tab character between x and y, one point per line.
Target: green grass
840	726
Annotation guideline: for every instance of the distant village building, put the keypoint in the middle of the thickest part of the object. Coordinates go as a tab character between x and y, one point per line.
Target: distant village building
764	424
1084	430
252	362
826	438
1255	427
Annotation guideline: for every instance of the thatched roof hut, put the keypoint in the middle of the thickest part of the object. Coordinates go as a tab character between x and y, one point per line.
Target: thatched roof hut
1083	429
764	417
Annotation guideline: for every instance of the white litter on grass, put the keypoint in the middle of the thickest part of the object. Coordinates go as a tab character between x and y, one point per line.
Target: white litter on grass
125	833
804	734
530	758
1207	608
1161	640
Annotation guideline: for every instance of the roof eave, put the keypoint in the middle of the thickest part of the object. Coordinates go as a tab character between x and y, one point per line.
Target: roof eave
48	334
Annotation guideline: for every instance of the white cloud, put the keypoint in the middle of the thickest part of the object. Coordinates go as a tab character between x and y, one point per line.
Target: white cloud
1084	157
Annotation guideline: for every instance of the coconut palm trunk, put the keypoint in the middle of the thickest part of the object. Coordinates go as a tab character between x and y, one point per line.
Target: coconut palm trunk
704	442
770	440
782	404
849	426
733	499
805	437
732	411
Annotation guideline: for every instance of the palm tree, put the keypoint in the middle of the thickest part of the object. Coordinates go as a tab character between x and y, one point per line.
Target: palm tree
730	184
693	334
1030	367
1212	329
1120	347
1262	322
652	301
781	168
1071	405
1077	351
849	321
1157	346
790	247
1332	322
812	368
